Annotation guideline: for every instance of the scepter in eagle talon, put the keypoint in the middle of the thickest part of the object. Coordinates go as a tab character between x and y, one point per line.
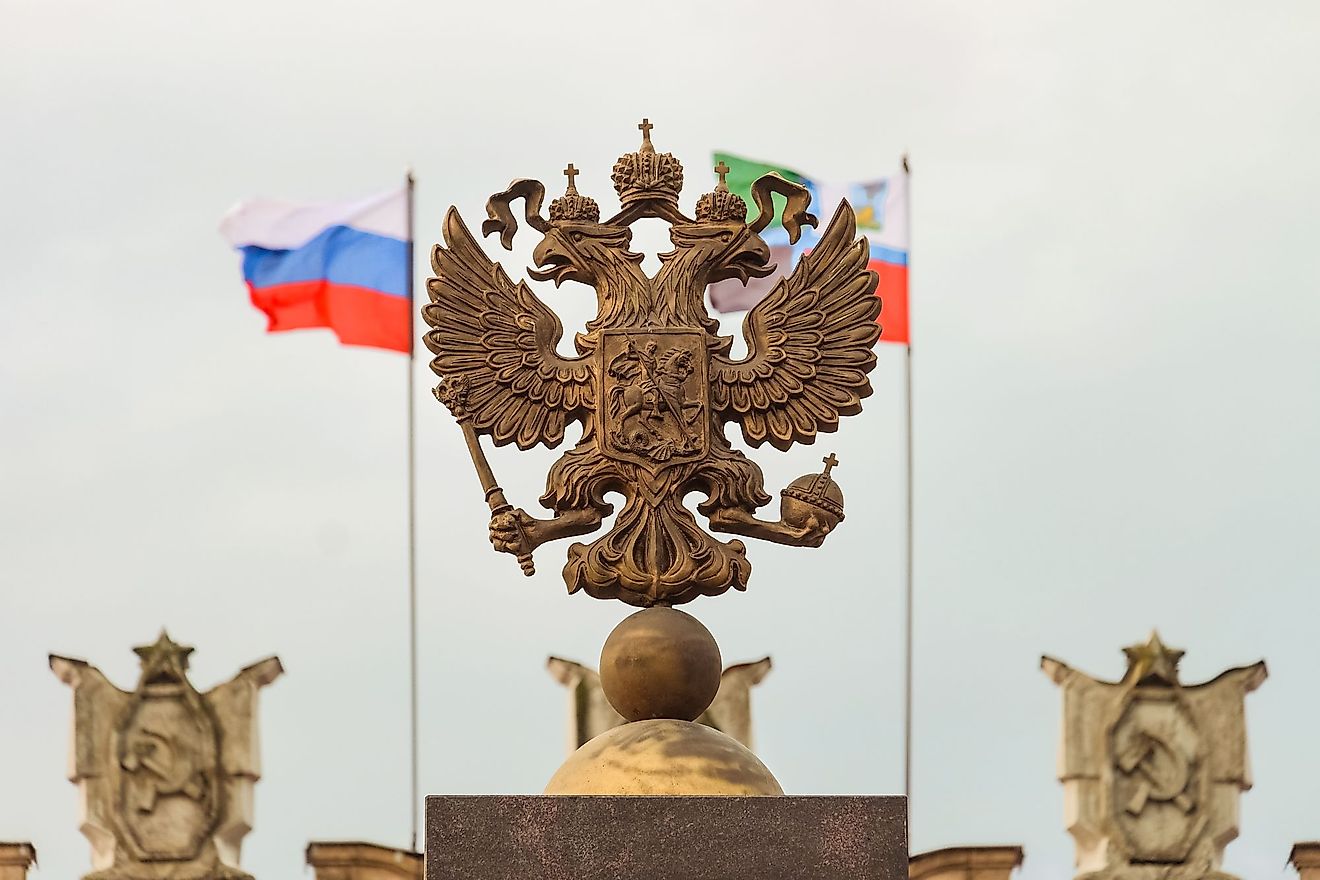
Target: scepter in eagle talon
453	394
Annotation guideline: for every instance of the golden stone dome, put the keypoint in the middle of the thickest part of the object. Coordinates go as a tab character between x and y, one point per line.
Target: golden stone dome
663	756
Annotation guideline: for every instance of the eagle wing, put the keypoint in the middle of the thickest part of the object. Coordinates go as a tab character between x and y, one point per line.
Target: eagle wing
809	345
500	340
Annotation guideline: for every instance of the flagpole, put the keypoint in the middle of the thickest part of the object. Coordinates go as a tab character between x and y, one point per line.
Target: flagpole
907	593
907	623
412	517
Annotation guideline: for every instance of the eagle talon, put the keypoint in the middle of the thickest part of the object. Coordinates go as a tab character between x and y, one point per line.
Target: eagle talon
511	532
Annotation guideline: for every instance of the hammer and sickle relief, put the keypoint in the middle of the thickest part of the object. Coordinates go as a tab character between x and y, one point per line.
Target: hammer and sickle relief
1164	774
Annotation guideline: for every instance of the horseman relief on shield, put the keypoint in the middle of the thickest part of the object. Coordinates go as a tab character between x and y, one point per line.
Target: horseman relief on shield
651	381
654	386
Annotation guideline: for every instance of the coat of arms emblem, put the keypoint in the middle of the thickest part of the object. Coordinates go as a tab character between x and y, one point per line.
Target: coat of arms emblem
165	772
652	381
1153	768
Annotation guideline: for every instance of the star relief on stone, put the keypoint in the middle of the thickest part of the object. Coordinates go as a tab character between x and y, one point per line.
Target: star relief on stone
164	659
1152	662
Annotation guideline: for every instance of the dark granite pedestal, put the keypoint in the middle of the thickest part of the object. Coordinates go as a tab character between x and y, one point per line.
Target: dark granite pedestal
665	838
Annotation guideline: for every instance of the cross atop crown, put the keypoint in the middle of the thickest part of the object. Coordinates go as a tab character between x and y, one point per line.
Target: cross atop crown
721	169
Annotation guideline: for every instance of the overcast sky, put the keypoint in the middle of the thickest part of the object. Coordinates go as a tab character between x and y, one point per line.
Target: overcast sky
1115	316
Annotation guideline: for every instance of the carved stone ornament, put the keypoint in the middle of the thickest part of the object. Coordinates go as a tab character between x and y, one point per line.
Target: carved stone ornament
1153	769
652	382
165	773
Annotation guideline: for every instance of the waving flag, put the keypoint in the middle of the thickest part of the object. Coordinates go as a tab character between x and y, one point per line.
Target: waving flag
339	265
882	216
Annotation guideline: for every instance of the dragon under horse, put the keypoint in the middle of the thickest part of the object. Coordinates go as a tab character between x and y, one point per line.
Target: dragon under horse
653	382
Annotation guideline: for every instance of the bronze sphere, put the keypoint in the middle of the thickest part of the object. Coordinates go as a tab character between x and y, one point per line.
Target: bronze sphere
660	663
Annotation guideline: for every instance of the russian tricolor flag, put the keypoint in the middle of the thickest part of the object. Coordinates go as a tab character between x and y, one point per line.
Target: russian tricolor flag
340	265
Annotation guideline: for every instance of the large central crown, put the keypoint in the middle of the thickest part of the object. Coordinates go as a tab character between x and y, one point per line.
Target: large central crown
647	178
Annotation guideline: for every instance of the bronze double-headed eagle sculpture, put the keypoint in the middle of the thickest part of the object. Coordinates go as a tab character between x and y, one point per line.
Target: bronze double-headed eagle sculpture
653	383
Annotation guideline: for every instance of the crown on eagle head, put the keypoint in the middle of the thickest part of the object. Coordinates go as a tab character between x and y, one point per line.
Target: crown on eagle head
721	206
572	206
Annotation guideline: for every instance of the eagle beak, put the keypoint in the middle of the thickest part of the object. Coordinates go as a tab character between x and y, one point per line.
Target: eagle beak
747	257
556	261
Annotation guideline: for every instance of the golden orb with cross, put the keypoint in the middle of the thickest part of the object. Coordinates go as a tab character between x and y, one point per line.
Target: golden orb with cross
813	502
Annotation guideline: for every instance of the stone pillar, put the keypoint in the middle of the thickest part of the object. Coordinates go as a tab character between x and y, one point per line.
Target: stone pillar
1153	769
1305	858
965	863
624	837
15	859
363	861
165	774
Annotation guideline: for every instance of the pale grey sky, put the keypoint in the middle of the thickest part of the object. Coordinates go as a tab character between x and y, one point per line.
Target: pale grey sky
1115	315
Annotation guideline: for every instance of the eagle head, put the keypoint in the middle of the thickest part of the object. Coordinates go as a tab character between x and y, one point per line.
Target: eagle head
581	251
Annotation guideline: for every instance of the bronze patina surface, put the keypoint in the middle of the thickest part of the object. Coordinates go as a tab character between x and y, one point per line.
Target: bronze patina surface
660	663
652	382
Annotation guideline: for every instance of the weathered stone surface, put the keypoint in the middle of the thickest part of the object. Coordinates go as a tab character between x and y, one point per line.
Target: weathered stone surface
1153	769
1305	858
663	756
590	714
965	863
665	838
333	860
15	859
165	774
